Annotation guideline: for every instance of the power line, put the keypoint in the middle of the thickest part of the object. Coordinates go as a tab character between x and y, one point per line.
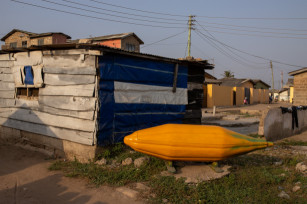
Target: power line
82	9
255	18
305	34
225	46
93	17
163	39
221	50
139	10
254	27
217	17
256	56
268	36
143	16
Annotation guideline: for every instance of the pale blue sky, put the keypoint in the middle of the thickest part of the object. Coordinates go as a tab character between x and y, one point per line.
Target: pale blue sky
292	49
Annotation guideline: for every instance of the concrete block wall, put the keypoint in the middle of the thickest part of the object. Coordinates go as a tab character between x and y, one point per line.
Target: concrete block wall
223	95
275	125
17	37
300	89
48	145
131	40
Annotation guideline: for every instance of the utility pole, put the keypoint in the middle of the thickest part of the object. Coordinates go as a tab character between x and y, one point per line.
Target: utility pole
189	38
272	75
282	79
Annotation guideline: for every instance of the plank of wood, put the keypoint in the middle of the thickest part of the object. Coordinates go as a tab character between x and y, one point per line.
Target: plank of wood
70	70
6	63
88	115
7	94
69	61
64	79
28	58
66	134
75	90
7	102
38	117
6	57
6	86
69	102
26	103
5	70
7	77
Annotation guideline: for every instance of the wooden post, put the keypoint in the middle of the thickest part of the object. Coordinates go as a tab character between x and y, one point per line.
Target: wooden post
175	78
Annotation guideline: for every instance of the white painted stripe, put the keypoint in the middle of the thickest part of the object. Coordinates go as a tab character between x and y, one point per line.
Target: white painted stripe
149	69
152	113
140	93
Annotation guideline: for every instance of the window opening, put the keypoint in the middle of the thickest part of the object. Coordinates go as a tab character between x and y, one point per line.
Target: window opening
40	41
24	43
13	45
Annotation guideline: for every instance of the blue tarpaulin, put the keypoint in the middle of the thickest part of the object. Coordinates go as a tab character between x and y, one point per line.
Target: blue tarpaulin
28	75
136	93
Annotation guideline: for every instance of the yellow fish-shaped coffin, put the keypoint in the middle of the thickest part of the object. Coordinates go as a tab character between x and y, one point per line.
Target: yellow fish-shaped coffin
192	142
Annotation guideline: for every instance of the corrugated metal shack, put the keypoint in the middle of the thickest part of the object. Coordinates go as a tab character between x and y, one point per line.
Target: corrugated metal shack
88	94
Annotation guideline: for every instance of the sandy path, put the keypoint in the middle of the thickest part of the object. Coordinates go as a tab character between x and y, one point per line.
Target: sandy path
24	178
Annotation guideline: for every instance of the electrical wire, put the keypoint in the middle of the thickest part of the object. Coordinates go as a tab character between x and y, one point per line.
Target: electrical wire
268	36
130	14
139	10
214	17
256	56
143	46
213	38
255	18
254	27
87	10
93	17
305	34
223	51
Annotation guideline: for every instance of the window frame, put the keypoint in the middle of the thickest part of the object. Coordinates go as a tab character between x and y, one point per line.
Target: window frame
13	45
27	93
41	41
24	43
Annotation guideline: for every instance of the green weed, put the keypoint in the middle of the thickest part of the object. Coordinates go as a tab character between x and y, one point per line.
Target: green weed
292	143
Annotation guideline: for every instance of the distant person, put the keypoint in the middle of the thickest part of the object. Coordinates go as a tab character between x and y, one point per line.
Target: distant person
270	99
245	101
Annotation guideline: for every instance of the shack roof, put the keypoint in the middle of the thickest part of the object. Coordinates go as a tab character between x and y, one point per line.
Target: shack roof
299	71
48	34
16	30
260	81
33	35
116	36
194	64
234	82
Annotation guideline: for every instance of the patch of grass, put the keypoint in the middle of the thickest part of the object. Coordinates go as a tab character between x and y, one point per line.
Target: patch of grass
254	178
256	135
112	151
292	143
248	184
119	176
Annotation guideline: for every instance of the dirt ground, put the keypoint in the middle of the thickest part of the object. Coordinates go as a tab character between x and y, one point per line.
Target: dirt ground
25	178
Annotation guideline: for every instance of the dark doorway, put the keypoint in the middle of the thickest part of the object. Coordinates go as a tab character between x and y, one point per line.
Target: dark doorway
234	100
247	94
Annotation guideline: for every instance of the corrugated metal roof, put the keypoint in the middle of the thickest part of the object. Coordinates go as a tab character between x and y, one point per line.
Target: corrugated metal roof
16	30
234	82
33	35
196	64
260	81
48	34
116	36
299	71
